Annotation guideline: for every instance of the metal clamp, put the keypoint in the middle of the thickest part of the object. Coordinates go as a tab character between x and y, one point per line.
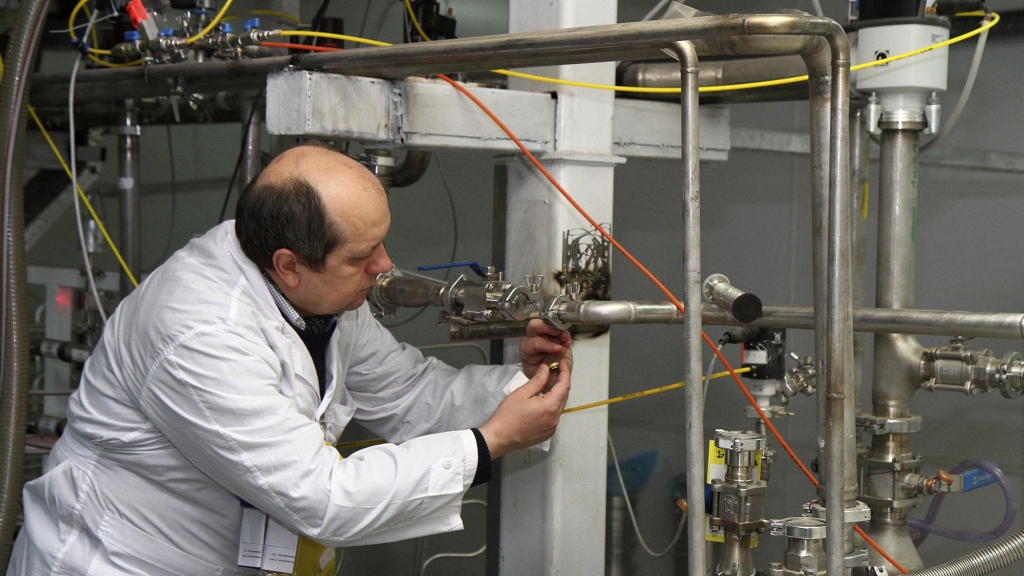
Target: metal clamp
855	515
550	316
881	425
856	559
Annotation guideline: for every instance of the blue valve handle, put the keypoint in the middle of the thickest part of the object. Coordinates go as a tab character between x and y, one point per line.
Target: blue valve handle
474	266
977	478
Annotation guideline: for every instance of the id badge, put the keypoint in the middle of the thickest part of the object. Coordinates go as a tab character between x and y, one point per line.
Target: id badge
269	546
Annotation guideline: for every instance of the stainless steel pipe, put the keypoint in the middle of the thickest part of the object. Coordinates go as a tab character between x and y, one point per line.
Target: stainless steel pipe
253	116
774	34
129	170
693	361
896	361
1008	325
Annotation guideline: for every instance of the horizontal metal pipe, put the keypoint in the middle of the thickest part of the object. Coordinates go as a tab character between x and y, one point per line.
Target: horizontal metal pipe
931	322
411	292
775	34
722	73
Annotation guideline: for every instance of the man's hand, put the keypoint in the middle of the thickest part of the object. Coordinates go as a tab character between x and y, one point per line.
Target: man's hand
544	345
523	418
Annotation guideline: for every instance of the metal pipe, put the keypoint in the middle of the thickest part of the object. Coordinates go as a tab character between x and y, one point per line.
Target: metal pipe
411	169
983	561
721	73
692	346
897	356
16	364
252	114
409	292
128	174
718	35
839	333
859	161
1007	325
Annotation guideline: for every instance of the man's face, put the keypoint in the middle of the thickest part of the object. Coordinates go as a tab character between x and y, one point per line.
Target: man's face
349	273
351	269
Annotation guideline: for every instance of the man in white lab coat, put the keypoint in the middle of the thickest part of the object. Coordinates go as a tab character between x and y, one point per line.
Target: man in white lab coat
227	375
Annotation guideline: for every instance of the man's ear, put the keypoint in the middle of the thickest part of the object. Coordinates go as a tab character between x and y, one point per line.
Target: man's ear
287	267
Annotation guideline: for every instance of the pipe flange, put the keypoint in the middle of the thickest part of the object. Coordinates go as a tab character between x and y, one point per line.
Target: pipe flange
549	315
709	285
903	119
881	425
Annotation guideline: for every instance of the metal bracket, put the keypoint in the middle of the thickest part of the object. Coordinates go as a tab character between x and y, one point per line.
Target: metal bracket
880	425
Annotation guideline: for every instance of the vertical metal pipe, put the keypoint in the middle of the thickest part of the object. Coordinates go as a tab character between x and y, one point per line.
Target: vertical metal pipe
839	354
895	376
859	163
251	151
128	172
820	100
692	358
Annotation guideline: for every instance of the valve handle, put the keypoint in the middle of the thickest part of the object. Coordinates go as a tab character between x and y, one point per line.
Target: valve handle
473	265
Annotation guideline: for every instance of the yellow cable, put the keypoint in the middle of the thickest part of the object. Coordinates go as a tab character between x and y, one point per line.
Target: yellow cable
308	33
114	64
276	13
745	86
81	193
71	27
213	23
650	392
634	395
415	22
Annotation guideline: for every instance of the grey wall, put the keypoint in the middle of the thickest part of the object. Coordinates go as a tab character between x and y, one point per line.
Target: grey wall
756	231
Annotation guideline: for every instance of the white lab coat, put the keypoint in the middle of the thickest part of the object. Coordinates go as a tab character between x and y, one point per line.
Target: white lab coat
200	393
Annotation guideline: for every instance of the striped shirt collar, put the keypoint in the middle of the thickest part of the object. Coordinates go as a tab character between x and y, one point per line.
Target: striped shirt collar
317	324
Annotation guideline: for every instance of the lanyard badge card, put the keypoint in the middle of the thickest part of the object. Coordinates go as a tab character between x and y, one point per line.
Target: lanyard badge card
268	545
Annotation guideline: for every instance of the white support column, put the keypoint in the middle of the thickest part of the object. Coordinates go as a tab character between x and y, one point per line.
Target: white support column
553	504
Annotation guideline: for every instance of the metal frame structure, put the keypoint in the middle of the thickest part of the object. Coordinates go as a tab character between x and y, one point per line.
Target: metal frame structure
822	45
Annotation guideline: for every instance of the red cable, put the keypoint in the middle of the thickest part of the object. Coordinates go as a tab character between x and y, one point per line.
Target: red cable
671	297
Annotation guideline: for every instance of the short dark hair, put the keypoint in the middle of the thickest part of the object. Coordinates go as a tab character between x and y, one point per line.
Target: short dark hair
290	214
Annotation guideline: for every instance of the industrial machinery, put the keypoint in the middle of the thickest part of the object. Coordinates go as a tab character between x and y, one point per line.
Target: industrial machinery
186	61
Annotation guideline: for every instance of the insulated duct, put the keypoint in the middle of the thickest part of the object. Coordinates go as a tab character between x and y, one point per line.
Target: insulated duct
14	383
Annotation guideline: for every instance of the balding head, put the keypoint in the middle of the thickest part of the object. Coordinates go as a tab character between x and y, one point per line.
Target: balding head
309	199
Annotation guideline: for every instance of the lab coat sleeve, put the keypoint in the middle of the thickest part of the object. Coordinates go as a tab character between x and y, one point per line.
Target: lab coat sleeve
215	396
399	394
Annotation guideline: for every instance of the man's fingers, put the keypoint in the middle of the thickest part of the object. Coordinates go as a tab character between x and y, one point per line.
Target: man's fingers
536	384
545	347
559	390
541	328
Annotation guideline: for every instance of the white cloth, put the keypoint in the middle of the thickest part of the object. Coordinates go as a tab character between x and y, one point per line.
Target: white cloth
200	393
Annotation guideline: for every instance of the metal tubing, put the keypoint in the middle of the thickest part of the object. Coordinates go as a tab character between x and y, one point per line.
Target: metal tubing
897	356
839	335
1007	325
410	292
859	161
16	365
718	35
692	294
252	114
722	73
128	173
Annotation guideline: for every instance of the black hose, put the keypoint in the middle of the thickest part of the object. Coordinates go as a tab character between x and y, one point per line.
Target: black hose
16	363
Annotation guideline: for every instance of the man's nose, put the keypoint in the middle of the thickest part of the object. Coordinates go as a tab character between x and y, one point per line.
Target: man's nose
380	263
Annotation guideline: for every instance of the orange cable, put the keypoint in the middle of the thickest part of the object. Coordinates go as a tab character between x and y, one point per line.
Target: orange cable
665	290
671	297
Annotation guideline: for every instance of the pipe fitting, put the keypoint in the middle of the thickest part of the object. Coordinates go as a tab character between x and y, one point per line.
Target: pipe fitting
744	306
